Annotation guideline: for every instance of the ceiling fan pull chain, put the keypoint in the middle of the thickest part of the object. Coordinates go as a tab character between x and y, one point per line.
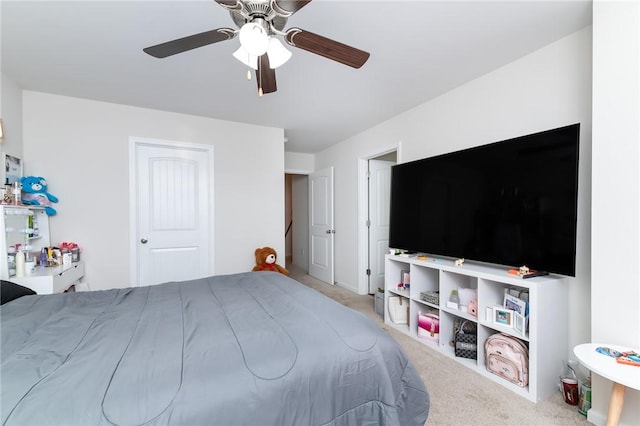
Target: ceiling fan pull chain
260	93
248	69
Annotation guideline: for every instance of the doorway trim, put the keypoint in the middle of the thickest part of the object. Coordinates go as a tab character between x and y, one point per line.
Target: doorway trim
135	141
300	220
363	208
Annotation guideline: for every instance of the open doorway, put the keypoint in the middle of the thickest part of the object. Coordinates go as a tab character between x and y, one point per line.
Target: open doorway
375	191
296	196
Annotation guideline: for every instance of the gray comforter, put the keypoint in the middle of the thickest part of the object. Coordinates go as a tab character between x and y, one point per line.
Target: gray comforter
255	348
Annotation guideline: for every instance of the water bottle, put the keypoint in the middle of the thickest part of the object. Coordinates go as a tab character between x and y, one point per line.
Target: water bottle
20	264
43	257
16	191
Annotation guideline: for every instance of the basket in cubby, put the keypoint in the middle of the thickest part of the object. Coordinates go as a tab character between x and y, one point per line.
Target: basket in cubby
430	297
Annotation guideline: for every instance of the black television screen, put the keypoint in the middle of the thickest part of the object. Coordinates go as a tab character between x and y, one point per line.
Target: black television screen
511	203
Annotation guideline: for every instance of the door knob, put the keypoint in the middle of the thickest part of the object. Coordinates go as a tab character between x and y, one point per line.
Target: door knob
144	241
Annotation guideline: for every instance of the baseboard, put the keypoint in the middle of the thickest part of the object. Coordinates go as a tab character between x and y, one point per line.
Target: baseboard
600	419
596	417
347	287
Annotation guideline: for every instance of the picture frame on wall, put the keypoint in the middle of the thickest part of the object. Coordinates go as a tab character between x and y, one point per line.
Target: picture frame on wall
503	317
12	170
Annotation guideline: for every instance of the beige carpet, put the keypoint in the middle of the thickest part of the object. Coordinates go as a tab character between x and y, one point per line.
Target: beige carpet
459	396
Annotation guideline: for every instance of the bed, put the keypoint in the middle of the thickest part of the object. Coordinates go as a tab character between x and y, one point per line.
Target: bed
255	348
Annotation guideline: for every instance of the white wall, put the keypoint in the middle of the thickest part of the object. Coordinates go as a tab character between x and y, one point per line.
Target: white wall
11	114
616	187
546	89
81	147
295	162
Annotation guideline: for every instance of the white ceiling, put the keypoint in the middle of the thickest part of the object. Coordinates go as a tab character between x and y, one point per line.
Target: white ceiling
419	50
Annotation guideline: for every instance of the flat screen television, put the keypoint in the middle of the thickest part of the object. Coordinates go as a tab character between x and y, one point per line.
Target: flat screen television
511	203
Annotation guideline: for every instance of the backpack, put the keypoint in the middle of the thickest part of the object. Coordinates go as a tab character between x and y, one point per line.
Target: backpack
507	357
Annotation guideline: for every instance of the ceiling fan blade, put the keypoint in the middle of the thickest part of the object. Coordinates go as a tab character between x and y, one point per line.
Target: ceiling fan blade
328	48
265	76
190	42
230	4
289	7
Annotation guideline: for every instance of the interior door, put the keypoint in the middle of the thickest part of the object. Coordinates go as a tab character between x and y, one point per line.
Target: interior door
321	232
379	199
172	212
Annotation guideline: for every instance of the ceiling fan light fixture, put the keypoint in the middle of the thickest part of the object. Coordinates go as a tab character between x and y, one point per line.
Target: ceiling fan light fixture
261	23
278	54
254	38
246	58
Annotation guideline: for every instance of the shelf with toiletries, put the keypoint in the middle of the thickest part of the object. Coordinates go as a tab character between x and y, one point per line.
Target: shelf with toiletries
24	237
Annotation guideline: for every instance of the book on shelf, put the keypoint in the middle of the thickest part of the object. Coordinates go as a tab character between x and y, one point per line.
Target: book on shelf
515	304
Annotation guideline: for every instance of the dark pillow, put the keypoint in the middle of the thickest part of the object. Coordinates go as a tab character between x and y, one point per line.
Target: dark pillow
10	291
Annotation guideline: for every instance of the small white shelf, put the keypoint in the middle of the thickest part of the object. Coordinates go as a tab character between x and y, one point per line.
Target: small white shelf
403	293
548	298
14	220
428	304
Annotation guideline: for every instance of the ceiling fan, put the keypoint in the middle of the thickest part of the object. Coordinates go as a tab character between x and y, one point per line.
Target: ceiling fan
259	22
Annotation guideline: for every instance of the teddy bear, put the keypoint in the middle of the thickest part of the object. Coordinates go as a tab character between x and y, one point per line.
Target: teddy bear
34	193
266	261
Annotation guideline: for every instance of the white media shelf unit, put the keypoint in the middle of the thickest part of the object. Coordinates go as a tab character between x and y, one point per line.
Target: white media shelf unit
548	303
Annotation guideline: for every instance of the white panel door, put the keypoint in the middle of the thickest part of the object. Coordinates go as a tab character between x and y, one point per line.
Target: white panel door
321	232
379	199
173	205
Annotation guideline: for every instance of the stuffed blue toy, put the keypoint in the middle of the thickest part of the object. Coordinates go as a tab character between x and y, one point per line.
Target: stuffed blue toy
34	193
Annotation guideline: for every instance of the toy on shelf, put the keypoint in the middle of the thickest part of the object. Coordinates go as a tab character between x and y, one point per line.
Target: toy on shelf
34	193
525	272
